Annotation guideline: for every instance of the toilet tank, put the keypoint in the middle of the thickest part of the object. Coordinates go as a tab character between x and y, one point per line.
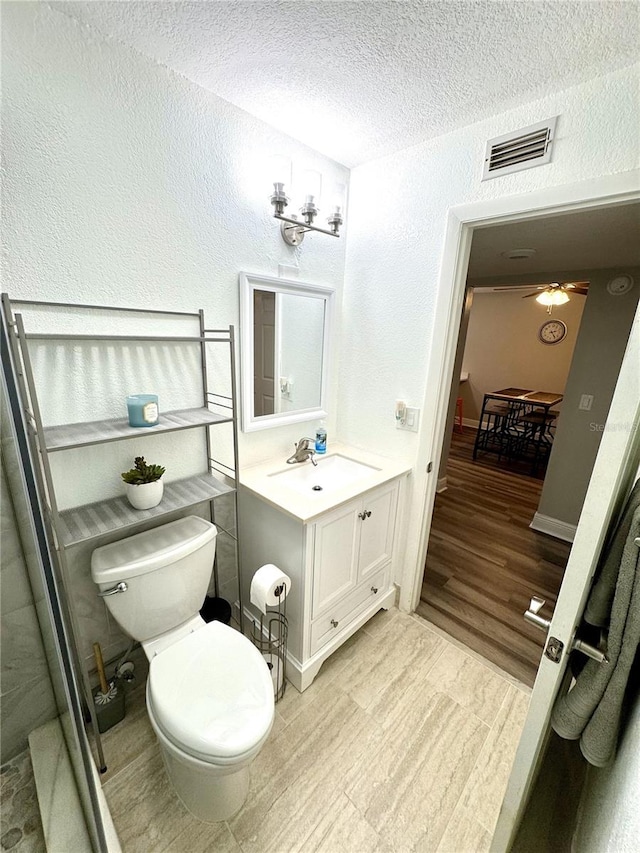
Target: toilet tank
167	571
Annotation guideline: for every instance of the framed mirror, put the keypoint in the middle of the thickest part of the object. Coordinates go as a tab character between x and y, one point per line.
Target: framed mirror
285	329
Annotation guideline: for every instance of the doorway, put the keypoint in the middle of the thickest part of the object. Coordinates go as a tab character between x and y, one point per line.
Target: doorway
481	580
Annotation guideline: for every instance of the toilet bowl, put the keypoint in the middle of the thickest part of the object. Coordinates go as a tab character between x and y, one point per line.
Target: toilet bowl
210	703
209	690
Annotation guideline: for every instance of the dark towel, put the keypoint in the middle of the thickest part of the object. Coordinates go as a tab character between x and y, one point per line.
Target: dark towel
592	709
598	610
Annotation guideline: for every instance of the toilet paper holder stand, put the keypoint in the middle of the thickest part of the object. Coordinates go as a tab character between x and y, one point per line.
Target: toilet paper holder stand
270	638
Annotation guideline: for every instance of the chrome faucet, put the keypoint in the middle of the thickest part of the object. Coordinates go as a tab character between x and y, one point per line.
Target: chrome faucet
305	449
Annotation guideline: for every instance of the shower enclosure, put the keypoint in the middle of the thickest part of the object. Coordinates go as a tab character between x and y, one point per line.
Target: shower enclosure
76	810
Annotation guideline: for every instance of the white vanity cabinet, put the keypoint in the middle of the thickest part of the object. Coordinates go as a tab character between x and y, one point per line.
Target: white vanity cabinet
340	563
352	549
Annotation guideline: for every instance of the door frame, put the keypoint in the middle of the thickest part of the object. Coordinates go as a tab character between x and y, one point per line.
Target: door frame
606	191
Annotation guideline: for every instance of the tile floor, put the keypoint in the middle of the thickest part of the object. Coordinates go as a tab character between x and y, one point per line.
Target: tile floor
21	829
404	742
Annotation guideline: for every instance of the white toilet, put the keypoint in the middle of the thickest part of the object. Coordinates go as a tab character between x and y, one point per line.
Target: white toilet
209	691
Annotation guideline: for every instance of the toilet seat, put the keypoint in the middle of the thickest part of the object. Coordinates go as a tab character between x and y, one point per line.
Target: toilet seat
211	695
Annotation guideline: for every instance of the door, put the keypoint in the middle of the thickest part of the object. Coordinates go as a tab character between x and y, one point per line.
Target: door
335	556
376	530
614	472
264	367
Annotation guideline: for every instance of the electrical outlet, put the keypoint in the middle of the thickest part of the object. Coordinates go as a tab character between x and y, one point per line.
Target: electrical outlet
586	401
411	420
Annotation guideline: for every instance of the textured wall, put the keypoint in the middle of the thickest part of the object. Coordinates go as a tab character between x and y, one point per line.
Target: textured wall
126	184
398	217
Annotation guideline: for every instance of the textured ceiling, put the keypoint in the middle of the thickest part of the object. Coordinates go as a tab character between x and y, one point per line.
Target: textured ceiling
357	80
590	239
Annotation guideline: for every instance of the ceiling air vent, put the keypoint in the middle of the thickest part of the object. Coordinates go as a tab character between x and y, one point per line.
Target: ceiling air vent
520	150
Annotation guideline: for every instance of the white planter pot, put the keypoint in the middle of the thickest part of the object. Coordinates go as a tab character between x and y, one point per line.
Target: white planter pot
144	495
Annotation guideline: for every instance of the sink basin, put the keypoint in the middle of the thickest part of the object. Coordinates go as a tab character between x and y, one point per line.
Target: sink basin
330	474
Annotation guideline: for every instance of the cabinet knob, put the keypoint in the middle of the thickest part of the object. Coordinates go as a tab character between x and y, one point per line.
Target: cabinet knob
334	624
364	515
374	590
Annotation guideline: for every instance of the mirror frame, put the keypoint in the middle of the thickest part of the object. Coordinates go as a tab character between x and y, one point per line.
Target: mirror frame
248	284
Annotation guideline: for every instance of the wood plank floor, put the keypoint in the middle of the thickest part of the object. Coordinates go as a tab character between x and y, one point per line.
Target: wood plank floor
484	562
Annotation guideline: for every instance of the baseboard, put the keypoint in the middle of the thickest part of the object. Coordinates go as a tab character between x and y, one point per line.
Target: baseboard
442	485
553	527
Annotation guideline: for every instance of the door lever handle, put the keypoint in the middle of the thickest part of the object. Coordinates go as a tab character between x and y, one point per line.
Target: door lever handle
532	614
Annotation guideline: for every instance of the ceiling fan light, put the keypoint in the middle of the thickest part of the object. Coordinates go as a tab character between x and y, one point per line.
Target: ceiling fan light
552	297
545	298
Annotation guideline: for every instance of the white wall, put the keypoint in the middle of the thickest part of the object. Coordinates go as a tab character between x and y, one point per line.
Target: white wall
397	221
503	348
126	184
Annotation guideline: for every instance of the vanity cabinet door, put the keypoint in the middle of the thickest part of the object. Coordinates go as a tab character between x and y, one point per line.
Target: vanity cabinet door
335	556
376	529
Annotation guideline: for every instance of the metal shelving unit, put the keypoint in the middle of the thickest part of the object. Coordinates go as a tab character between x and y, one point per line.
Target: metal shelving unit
98	432
71	527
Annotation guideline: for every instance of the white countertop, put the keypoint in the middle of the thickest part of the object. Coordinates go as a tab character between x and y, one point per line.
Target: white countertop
259	479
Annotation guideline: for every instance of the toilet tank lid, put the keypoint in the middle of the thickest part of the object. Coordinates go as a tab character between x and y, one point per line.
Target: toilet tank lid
151	550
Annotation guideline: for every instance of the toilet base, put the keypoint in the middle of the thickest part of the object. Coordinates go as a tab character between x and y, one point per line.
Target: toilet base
211	792
210	795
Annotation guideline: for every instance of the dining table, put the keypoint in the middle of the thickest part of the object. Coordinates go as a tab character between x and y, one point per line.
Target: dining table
515	422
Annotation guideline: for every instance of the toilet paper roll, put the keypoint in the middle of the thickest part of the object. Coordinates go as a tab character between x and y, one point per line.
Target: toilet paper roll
265	584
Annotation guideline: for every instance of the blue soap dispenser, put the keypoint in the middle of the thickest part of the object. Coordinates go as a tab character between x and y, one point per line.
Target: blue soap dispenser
321	438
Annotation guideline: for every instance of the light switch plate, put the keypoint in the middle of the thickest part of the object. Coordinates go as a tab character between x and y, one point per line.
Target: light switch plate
412	420
586	401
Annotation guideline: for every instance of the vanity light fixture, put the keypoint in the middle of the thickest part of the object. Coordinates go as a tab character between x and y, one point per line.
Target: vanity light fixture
291	229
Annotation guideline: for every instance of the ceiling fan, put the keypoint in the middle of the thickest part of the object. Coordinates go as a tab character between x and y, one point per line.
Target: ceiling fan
553	293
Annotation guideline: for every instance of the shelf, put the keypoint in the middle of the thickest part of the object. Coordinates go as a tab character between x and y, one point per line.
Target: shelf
84	523
66	436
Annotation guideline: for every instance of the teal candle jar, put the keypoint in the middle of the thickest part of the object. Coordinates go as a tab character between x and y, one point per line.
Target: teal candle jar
143	410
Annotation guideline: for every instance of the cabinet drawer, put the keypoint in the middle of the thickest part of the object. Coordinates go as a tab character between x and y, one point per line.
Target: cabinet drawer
325	627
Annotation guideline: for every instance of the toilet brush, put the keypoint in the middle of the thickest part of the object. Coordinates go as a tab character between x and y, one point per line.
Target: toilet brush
109	698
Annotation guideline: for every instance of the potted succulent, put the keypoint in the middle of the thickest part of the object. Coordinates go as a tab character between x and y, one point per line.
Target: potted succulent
143	484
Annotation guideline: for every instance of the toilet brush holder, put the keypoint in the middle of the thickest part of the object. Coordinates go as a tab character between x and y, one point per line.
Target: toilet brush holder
109	706
108	699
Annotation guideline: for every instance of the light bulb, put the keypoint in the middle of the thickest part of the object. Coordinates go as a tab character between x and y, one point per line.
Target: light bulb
280	169
336	218
552	297
338	198
545	298
311	186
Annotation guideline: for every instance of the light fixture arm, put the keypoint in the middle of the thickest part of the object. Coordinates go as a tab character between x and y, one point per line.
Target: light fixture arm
293	231
291	228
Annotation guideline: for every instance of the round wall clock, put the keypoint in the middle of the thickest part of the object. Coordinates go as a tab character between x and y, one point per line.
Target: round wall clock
552	332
